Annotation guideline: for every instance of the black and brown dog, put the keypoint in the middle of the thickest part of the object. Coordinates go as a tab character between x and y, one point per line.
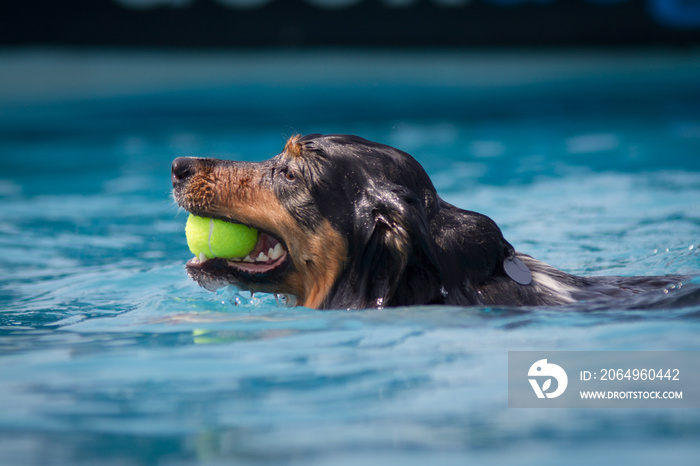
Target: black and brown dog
348	223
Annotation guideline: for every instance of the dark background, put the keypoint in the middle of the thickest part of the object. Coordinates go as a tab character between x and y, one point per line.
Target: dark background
388	23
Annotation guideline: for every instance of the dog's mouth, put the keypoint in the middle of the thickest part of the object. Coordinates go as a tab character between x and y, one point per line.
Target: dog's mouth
268	258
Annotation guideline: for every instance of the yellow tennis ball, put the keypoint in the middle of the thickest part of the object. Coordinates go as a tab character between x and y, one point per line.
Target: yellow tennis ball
216	238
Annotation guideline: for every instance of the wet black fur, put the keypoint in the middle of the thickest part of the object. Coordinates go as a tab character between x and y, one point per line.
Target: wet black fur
407	246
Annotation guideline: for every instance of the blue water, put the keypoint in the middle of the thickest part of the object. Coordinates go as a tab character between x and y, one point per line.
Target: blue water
110	355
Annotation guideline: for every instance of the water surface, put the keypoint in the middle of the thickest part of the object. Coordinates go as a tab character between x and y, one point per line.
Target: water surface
109	353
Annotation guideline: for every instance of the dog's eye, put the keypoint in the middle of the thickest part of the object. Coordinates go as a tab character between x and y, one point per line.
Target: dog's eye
289	175
284	171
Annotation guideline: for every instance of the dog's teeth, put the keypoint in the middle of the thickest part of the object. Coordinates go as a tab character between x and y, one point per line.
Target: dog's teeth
262	257
248	259
277	252
202	257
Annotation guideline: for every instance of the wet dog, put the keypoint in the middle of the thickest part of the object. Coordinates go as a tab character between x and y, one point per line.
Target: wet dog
348	223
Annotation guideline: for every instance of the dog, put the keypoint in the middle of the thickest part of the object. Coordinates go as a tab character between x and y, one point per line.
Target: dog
346	223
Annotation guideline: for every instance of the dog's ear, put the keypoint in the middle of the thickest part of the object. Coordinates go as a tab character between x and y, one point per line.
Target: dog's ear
392	258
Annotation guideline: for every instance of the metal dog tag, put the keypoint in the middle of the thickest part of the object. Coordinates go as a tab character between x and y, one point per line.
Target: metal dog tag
517	271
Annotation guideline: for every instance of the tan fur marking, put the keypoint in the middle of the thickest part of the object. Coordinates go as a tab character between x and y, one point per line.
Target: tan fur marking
329	254
292	148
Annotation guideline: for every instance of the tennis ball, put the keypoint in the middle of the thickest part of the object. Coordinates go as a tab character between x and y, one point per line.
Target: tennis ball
216	238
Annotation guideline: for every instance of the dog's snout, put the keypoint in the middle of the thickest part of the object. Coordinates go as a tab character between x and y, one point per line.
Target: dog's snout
183	168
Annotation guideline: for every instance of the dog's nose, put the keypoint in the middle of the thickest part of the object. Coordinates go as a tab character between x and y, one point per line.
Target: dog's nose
183	168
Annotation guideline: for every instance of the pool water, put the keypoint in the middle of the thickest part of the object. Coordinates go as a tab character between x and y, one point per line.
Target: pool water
110	354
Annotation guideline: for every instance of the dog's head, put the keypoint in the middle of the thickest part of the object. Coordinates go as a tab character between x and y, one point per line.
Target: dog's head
355	221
